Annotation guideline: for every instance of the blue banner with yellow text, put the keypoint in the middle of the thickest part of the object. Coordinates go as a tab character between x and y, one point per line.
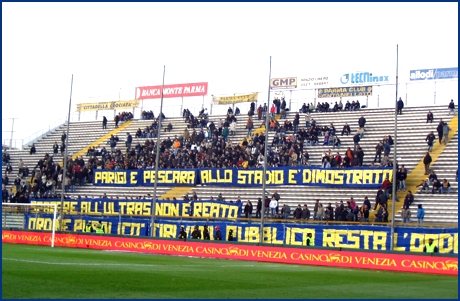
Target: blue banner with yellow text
361	237
143	207
363	177
145	177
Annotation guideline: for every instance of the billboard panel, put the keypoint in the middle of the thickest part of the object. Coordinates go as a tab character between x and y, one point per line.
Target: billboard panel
170	91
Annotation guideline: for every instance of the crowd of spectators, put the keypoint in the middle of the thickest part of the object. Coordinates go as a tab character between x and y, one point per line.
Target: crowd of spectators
326	107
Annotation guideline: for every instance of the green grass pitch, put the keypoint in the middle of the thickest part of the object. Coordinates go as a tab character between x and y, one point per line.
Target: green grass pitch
43	272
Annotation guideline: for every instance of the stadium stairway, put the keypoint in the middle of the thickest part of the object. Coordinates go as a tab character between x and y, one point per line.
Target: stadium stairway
416	176
106	137
438	208
259	130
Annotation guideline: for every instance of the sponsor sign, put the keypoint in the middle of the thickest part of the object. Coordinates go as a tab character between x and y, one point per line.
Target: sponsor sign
363	177
283	83
169	91
345	92
431	74
111	105
314	82
307	256
363	78
222	100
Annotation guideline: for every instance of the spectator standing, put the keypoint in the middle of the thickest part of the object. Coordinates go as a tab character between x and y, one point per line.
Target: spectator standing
182	233
277	198
405	214
427	160
259	207
206	233
196	234
249	126
445	132
310	241
400	106
273	204
420	214
439	129
402	175
430	247
298	212
366	213
430	140
286	211
315	210
63	137
378	151
104	122
129	140
217	234
305	212
362	122
248	208
452	107
266	206
320	213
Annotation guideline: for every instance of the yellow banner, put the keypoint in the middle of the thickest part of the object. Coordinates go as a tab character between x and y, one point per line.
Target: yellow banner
110	105
223	100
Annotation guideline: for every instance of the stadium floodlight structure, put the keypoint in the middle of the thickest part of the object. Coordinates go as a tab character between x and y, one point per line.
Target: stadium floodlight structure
157	160
394	191
14	216
261	231
64	171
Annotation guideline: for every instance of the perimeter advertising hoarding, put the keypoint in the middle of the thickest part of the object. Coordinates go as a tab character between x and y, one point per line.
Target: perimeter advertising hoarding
434	74
307	256
170	91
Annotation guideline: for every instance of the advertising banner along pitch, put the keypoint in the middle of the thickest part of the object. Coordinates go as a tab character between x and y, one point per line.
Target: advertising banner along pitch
419	263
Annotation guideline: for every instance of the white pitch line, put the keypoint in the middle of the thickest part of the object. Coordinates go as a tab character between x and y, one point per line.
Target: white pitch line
118	264
96	264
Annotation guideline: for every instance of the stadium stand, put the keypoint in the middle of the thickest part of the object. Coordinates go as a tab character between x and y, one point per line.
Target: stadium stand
412	131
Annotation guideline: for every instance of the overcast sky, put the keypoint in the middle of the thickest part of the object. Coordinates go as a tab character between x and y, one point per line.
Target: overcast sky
111	48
